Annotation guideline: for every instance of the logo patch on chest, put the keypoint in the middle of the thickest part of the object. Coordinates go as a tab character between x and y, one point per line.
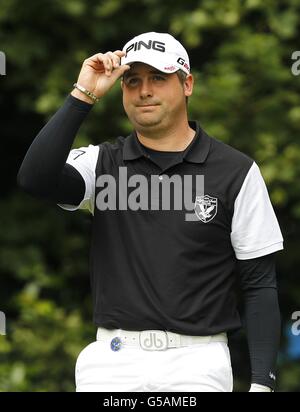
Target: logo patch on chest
206	208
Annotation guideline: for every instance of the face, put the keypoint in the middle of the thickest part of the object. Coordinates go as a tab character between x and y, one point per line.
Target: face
154	100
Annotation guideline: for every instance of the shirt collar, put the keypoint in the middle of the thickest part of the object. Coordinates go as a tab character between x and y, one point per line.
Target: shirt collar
196	152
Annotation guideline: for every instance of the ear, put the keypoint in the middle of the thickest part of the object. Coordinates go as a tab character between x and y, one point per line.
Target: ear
188	85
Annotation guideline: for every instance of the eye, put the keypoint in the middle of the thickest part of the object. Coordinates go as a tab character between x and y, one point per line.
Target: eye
132	81
158	77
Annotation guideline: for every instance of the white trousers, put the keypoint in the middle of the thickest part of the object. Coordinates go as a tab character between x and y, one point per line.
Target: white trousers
203	367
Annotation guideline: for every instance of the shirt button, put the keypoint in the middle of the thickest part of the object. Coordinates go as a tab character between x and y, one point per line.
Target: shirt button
160	178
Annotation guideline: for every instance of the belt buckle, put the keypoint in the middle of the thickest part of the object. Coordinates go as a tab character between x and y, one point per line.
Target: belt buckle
153	340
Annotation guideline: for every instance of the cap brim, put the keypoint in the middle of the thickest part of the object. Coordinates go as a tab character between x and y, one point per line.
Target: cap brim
157	64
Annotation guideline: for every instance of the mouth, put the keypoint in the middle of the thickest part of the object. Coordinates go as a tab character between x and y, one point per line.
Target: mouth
147	106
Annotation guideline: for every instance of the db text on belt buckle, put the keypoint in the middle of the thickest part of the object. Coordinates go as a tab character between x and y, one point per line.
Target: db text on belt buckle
153	340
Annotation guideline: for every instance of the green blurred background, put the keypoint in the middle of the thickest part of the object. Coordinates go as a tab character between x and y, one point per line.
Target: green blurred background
245	95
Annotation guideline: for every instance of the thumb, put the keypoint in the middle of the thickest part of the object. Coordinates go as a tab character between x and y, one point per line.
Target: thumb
119	71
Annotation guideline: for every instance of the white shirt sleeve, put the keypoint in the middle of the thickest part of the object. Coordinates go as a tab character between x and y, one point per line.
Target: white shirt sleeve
255	230
84	160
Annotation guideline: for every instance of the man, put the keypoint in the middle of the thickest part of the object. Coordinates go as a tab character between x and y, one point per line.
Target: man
176	214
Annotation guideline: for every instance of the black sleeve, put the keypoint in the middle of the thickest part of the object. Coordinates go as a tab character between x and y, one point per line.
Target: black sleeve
71	187
262	316
44	172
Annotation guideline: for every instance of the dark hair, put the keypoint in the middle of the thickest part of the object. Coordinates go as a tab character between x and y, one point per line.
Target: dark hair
182	76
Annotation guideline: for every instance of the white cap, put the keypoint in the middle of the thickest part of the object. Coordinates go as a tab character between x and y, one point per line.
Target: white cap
160	50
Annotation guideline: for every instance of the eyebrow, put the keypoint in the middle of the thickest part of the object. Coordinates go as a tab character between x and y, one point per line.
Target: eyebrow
129	73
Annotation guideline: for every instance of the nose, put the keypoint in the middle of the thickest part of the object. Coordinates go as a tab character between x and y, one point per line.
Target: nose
146	89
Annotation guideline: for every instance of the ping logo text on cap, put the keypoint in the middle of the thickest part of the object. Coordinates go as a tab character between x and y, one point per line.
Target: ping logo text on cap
152	44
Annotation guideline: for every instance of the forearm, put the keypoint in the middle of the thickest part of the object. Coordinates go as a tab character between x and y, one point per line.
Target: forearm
262	324
41	171
81	96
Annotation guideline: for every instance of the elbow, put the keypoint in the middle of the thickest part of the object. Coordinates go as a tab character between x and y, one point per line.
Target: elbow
24	183
21	180
27	183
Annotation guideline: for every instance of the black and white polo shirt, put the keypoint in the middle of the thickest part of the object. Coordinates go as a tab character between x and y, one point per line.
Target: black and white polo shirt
165	241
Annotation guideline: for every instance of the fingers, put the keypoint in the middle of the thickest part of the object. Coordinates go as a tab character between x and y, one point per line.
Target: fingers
119	71
108	61
114	60
119	53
